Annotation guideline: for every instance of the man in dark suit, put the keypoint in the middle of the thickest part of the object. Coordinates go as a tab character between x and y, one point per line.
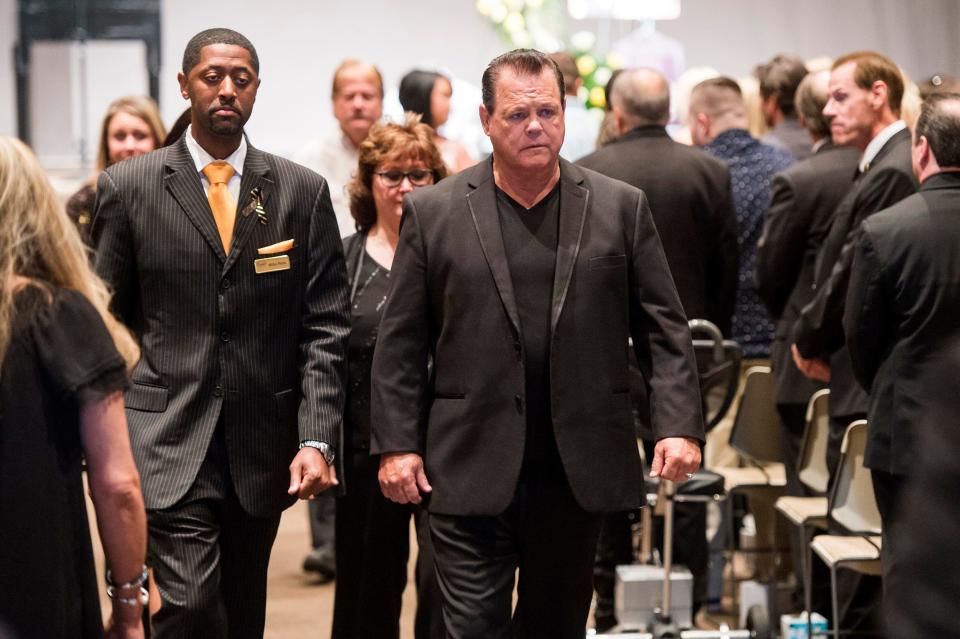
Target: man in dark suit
802	202
227	263
865	90
522	279
778	80
689	195
903	312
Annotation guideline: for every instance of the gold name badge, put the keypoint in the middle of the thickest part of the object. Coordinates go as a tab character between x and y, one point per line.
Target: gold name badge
271	264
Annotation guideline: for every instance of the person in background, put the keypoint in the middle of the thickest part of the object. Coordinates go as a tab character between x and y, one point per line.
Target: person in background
427	93
778	81
131	127
582	126
357	97
64	367
176	131
373	533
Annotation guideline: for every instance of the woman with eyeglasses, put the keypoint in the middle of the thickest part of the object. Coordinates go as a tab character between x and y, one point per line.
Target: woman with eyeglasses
372	533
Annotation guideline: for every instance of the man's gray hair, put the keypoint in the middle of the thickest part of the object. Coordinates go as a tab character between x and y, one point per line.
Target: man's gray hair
809	101
642	96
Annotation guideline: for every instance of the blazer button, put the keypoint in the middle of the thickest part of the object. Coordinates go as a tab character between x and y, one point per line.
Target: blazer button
519	402
224	336
225	284
519	350
218	391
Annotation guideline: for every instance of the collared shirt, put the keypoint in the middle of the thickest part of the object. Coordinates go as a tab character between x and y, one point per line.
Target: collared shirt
878	141
201	159
752	167
335	158
580	138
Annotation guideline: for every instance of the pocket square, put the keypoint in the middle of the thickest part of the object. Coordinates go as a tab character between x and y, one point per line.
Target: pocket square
279	247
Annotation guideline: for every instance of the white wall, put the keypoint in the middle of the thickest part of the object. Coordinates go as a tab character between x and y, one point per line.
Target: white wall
300	42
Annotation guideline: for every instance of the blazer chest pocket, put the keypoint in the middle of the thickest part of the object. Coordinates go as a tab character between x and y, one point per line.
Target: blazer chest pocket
607	261
152	399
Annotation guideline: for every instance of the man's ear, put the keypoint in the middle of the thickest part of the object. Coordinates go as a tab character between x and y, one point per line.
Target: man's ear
618	120
879	93
702	122
922	152
485	119
182	79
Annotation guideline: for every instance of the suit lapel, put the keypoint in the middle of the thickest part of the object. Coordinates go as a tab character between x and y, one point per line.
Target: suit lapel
184	185
573	208
482	202
256	175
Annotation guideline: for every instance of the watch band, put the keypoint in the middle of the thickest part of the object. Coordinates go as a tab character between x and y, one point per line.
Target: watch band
329	454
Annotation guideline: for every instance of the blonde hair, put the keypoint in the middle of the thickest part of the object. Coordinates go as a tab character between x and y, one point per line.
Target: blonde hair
39	242
139	106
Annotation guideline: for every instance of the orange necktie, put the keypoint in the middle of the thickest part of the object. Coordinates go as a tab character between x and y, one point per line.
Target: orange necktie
221	202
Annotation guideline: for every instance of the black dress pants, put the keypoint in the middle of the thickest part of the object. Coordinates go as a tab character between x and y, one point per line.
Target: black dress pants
888	492
544	533
209	558
372	547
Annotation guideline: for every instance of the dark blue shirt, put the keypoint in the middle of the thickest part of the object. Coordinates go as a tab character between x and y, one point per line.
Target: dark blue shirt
752	167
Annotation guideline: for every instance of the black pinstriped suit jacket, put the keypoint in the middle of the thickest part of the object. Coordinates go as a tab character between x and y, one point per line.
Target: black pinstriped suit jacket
266	351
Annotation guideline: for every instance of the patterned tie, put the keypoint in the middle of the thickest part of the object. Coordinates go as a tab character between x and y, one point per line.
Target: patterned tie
221	202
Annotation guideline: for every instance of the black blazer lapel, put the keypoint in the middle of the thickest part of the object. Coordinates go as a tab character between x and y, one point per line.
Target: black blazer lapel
184	185
573	211
256	175
482	202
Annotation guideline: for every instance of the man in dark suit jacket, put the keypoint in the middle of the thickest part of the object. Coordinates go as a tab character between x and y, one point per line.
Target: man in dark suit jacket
865	90
522	279
903	310
689	195
242	314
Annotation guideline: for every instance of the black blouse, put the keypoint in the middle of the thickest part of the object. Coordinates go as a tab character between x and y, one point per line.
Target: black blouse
59	356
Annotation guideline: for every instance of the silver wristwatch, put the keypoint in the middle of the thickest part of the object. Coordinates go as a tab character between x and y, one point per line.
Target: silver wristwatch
329	454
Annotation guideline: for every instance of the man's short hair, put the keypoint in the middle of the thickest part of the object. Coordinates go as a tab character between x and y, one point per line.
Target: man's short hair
715	96
780	77
219	35
939	122
871	67
349	65
568	67
522	62
811	98
639	104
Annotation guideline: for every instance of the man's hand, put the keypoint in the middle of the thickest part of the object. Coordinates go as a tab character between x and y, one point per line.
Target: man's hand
402	478
125	622
310	474
675	457
816	368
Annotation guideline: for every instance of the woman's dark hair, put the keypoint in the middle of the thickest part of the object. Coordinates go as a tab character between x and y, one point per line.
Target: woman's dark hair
178	128
415	90
411	140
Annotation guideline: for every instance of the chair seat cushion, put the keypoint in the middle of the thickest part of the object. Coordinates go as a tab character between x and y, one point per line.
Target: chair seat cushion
853	551
804	511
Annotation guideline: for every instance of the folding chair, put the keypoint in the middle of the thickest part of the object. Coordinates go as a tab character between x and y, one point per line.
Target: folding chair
853	508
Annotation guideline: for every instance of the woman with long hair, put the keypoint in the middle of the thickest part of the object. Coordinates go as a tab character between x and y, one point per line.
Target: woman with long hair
428	94
131	127
63	367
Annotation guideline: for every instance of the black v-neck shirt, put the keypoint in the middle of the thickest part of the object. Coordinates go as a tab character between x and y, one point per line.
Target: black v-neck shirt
530	242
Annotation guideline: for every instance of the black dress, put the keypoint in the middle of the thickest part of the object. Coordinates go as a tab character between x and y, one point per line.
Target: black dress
60	355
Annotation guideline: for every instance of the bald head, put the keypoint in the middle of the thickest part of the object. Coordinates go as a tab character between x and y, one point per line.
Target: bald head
640	97
809	101
716	105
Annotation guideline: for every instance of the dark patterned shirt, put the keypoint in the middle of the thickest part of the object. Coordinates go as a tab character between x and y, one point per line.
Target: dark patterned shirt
752	167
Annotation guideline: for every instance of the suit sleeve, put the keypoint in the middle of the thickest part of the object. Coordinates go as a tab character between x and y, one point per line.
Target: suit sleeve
781	246
866	317
400	377
325	328
723	270
821	322
114	245
661	337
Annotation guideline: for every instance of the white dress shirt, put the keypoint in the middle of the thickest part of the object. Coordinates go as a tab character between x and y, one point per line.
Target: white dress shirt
335	158
878	141
201	159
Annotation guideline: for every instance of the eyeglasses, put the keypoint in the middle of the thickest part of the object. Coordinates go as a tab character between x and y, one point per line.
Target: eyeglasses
417	177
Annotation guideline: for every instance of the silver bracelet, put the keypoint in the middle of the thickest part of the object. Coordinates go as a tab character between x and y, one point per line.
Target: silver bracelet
142	598
130	585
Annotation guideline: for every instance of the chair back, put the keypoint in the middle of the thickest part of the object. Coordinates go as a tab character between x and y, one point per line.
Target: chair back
812	464
756	432
852	504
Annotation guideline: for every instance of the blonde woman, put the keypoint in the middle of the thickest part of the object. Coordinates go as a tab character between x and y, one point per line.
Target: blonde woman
131	127
63	367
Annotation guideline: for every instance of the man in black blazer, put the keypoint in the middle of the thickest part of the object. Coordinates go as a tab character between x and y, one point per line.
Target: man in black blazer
903	312
865	91
689	195
236	286
521	280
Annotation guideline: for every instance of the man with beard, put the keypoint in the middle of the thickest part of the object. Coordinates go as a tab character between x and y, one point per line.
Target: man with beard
226	262
357	105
